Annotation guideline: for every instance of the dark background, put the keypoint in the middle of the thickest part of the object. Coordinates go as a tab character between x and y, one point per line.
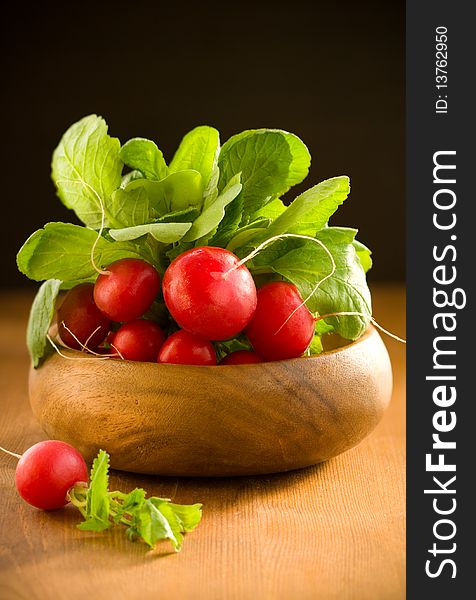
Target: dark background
333	73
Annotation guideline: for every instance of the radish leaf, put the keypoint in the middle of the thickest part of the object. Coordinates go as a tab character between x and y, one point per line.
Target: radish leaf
167	233
86	169
97	498
41	315
198	150
151	519
213	214
310	211
270	160
144	156
63	251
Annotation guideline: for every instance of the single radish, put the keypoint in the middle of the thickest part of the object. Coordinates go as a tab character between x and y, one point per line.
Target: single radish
138	340
184	348
241	357
80	322
272	332
208	294
46	471
126	289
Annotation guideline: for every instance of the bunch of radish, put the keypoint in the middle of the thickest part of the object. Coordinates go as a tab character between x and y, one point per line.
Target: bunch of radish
210	296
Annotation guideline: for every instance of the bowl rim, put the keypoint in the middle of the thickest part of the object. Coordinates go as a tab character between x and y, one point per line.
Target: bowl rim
78	354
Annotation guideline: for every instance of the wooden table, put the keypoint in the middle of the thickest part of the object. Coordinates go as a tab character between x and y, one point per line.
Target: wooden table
333	531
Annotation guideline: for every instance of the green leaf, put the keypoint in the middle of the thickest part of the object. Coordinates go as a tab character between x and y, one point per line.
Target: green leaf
63	251
322	327
167	233
210	193
152	525
41	315
187	215
307	263
178	191
130	206
174	523
97	498
198	150
86	169
131	176
310	211
270	160
238	343
189	515
151	519
181	518
143	155
214	212
179	249
364	255
316	345
244	235
130	503
272	210
229	224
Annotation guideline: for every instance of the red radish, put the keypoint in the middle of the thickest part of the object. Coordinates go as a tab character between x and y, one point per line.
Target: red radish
46	471
79	319
127	289
271	332
183	348
241	357
207	294
138	340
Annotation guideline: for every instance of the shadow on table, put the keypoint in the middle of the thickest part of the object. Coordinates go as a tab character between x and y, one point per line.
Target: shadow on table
218	493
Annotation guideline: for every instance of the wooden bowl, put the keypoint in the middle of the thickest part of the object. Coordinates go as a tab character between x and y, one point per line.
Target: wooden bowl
226	420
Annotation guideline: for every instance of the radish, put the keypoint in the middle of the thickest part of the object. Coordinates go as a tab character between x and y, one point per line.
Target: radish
126	289
208	293
184	348
241	357
138	340
80	322
282	325
47	471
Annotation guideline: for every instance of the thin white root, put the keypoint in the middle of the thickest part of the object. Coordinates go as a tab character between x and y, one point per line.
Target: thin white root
95	357
10	453
372	320
89	339
118	352
103	221
84	347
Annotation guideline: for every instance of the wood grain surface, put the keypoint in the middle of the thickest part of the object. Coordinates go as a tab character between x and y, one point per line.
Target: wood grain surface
335	531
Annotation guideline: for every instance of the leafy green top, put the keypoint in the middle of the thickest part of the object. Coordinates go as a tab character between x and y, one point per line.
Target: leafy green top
150	519
225	196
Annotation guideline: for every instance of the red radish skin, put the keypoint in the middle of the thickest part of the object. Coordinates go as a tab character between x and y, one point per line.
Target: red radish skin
183	348
138	340
270	333
241	357
79	314
46	472
207	295
127	290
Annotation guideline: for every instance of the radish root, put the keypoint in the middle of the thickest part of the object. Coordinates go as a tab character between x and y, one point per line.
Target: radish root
10	453
95	355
